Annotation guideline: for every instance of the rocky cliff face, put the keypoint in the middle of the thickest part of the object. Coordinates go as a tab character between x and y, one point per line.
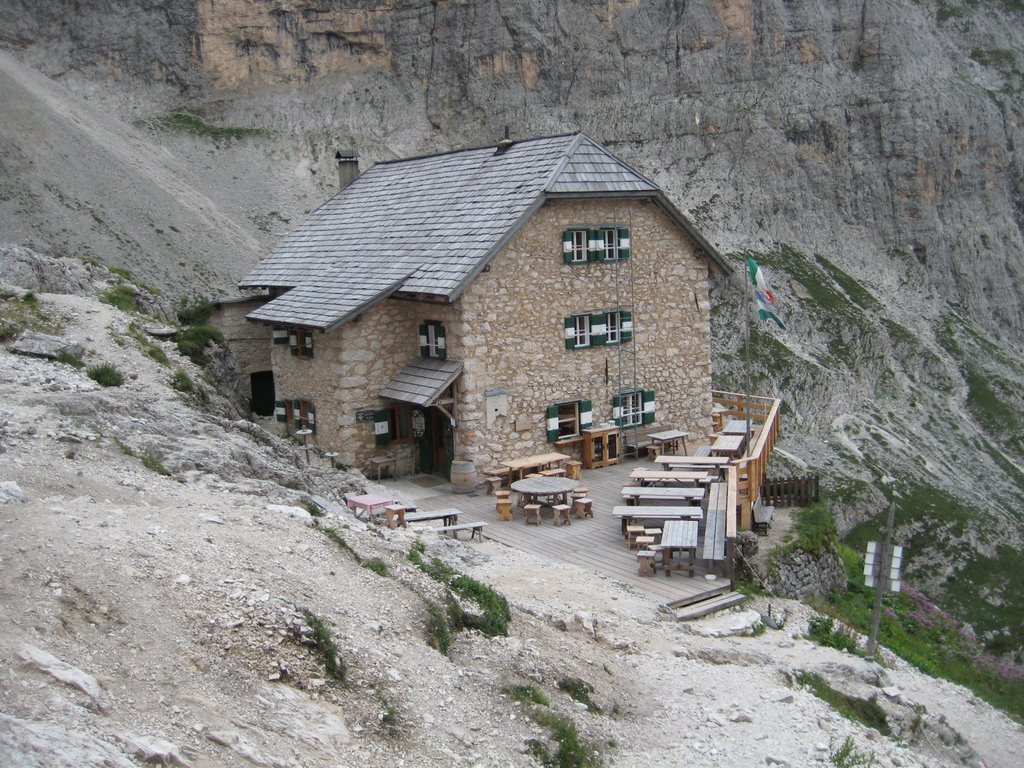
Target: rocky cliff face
870	153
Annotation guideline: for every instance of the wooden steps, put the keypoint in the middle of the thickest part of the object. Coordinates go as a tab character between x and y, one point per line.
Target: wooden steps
709	604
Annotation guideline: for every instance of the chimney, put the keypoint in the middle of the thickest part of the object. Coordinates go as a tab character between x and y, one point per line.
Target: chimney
348	166
505	143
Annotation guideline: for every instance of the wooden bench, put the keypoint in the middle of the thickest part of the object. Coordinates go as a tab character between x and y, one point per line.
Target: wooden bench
635	439
763	515
475	529
715	518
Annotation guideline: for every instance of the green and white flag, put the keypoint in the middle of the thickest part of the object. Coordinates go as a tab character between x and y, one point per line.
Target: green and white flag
763	293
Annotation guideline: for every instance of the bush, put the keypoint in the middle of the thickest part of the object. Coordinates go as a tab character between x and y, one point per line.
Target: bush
825	631
376	565
181	381
192	342
333	663
579	690
105	375
122	297
152	462
527	694
193	311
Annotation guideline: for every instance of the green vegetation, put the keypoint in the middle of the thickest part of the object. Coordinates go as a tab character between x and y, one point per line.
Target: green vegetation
152	462
71	360
181	381
376	565
338	539
579	690
313	508
105	375
826	631
815	530
571	752
494	611
847	756
186	123
333	663
121	296
439	632
195	310
864	711
527	694
193	340
148	347
22	313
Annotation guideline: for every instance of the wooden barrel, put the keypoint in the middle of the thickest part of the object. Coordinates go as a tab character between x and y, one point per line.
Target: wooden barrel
463	477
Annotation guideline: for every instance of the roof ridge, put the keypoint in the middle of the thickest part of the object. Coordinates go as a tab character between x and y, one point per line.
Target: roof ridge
476	149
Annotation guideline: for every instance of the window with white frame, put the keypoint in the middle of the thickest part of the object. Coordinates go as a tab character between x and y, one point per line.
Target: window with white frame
582	245
613	327
575	246
568	419
432	340
633	408
614	243
595	329
579	333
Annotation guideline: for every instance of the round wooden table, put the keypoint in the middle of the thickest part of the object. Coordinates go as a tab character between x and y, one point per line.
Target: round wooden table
545	491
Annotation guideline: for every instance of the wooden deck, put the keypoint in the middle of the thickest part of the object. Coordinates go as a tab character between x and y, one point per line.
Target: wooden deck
596	544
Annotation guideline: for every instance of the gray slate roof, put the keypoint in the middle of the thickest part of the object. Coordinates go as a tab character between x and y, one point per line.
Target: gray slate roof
428	225
422	380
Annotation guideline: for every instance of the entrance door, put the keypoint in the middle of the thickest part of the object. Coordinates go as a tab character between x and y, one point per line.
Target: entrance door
423	433
443	443
261	389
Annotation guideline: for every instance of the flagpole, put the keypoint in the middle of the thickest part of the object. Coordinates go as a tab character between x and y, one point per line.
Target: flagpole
746	367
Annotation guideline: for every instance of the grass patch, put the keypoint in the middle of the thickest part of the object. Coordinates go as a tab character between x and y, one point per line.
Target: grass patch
71	360
376	565
20	313
150	349
815	530
338	539
334	666
439	631
570	752
847	756
193	340
527	694
182	382
494	611
152	462
864	711
105	375
579	690
196	126
313	508
122	297
826	631
194	310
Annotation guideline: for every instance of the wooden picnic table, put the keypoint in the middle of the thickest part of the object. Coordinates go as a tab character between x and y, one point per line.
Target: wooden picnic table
446	516
517	467
627	514
728	445
636	494
670	439
368	503
707	462
678	535
546	491
736	427
668	477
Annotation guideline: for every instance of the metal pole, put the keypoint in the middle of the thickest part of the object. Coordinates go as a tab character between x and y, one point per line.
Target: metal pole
881	581
746	372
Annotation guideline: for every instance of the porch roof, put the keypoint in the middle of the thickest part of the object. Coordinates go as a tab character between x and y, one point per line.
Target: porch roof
422	381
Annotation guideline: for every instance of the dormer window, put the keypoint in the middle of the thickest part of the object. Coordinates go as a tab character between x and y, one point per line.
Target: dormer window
432	343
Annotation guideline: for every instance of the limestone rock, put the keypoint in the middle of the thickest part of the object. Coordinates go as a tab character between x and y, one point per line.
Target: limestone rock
38	344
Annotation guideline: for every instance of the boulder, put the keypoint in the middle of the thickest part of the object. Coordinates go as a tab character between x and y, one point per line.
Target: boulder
37	344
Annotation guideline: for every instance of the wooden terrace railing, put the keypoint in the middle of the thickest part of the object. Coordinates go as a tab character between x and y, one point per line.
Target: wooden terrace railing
750	469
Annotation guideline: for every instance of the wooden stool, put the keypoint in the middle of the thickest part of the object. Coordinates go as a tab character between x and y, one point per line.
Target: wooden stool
573	470
502	495
532	512
655	532
583	507
396	515
504	509
653	451
493	483
644	542
632	531
579	492
535	474
553	472
562	514
645	560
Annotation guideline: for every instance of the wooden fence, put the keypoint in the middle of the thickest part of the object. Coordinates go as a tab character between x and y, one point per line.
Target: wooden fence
790	491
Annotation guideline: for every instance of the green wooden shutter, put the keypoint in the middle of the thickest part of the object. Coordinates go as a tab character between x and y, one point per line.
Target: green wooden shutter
625	325
381	427
279	411
648	398
595	245
586	414
442	348
424	349
552	423
598	329
293	342
280	335
570	332
617	410
623	238
567	246
310	416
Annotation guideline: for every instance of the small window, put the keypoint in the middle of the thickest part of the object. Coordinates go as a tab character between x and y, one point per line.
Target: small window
393	424
432	340
633	408
613	327
577	331
301	343
614	243
575	245
299	414
568	419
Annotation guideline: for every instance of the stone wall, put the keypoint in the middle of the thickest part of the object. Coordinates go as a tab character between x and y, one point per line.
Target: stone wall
799	574
249	342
